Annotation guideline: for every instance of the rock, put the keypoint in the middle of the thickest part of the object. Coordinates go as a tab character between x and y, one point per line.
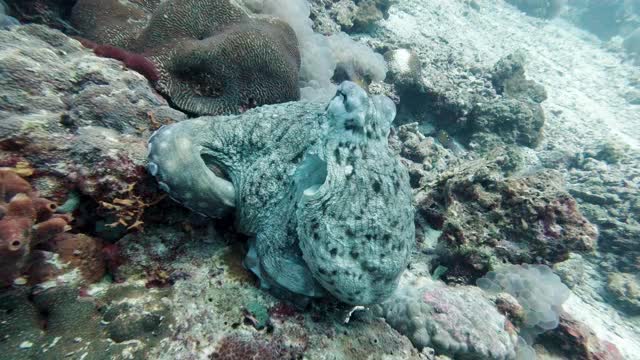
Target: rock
481	108
625	289
486	217
573	339
77	120
604	181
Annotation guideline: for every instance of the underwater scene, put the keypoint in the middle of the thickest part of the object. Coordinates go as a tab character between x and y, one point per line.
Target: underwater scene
320	179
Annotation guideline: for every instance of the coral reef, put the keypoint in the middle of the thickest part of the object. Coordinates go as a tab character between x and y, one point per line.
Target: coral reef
572	270
517	116
369	12
256	59
458	322
486	216
331	16
424	156
344	220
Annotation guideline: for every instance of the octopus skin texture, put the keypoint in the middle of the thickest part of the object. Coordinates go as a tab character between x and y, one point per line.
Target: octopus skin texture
316	187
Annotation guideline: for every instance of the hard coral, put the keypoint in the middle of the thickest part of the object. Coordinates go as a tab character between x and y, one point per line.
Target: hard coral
224	62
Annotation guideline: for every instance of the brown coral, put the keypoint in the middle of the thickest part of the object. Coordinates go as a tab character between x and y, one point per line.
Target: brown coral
211	56
29	225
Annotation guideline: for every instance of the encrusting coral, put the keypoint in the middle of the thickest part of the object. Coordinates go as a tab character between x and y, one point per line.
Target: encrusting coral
327	201
29	228
210	57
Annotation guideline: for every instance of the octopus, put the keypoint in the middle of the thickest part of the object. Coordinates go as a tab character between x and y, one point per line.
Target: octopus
325	202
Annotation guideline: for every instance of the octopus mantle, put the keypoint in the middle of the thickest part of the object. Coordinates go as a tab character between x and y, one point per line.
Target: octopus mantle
328	206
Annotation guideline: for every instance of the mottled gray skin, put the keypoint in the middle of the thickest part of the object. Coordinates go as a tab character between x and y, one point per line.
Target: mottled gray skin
328	203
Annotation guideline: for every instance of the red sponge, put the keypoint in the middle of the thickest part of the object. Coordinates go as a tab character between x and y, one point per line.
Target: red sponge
131	60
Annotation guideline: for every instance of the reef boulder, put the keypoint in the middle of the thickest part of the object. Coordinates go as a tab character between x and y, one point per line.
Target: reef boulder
73	120
485	216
